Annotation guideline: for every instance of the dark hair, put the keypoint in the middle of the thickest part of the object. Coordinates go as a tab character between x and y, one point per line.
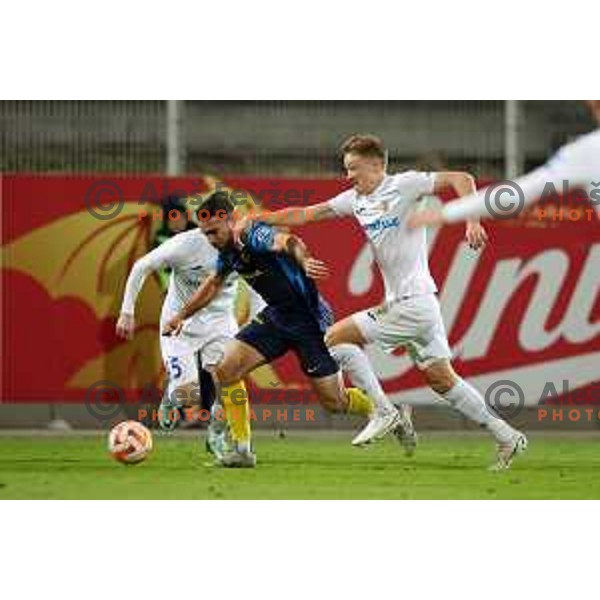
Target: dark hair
217	204
369	146
172	203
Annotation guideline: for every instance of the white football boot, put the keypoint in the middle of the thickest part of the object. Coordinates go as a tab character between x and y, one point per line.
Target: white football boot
380	423
505	452
405	430
236	459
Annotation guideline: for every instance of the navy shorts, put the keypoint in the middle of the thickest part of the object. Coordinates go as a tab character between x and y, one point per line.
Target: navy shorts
273	334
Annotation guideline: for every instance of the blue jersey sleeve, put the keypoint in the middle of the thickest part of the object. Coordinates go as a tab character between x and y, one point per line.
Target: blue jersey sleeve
223	266
260	238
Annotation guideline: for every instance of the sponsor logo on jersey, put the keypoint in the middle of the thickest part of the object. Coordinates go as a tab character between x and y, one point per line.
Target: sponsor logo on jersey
382	224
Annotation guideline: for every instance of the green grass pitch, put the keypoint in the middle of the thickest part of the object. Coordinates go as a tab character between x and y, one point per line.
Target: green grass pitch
301	466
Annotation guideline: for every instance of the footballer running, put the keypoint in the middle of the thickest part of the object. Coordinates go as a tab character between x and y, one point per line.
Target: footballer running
410	317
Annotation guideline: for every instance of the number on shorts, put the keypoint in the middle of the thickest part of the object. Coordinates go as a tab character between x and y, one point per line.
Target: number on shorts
174	367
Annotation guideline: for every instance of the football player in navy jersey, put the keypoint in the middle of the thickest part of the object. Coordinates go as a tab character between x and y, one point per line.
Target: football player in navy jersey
279	267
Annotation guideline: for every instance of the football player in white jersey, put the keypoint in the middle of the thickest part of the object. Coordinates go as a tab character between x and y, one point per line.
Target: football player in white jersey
191	259
410	317
577	163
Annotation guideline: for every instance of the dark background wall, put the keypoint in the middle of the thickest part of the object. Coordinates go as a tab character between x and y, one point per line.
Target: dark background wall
275	137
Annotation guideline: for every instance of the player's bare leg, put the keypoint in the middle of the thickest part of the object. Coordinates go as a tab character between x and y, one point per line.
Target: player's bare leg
336	398
463	397
344	332
331	393
344	340
238	361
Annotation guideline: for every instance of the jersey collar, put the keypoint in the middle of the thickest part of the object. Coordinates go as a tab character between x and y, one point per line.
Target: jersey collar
376	190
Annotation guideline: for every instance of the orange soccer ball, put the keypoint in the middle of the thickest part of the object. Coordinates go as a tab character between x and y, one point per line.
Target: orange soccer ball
129	442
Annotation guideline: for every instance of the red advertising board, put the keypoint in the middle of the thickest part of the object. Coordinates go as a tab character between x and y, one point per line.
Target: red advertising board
526	308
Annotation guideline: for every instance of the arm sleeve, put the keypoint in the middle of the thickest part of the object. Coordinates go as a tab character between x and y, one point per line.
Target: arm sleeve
165	255
572	163
341	205
415	184
223	267
530	188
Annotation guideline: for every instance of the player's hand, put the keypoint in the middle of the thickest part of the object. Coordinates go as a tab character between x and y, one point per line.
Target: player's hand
425	218
476	235
173	327
240	225
316	269
125	326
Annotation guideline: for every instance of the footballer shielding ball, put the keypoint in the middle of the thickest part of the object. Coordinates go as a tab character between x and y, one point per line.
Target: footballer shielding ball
129	442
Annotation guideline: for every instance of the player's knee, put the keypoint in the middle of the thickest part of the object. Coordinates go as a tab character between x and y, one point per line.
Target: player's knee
333	337
331	400
344	332
329	339
225	373
344	354
230	369
440	376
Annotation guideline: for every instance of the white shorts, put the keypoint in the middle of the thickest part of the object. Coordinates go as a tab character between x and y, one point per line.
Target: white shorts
181	354
414	323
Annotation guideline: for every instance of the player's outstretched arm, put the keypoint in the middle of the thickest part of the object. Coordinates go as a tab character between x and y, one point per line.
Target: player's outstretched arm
529	187
296	215
202	297
287	217
152	261
296	248
474	205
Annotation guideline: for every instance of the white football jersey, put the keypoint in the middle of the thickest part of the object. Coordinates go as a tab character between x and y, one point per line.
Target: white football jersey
191	259
578	163
401	253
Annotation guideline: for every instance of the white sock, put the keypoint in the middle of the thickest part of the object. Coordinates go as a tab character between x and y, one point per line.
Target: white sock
353	361
467	400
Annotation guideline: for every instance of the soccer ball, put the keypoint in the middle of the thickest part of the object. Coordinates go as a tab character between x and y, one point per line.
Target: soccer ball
129	442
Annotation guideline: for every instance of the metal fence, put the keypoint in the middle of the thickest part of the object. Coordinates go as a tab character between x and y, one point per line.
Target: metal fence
490	138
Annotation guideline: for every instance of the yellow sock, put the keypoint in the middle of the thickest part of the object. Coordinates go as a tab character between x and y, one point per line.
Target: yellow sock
237	413
359	403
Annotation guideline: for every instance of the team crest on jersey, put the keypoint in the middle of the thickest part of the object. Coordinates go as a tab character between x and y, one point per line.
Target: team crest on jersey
264	235
377	207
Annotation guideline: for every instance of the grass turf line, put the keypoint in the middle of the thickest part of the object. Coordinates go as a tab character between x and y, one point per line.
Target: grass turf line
445	467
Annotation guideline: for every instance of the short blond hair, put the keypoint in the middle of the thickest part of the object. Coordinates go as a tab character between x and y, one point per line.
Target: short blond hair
367	145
